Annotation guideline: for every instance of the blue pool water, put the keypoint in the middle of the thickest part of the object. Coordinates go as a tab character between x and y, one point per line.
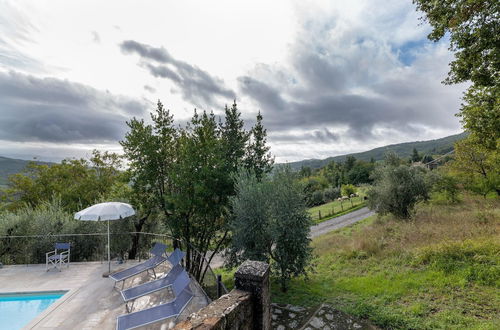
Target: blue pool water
17	310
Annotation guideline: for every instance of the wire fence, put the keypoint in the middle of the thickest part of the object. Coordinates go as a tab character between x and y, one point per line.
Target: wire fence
87	247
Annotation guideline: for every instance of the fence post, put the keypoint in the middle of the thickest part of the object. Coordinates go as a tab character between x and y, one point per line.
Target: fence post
219	289
319	214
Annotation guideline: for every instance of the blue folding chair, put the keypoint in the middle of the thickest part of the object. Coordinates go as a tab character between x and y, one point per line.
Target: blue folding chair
58	257
166	281
157	251
183	296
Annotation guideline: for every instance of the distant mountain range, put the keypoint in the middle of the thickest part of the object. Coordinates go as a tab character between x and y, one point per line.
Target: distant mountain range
9	166
404	150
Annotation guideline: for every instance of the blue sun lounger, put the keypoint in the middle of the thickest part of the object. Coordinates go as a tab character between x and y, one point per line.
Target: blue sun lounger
157	251
183	296
166	281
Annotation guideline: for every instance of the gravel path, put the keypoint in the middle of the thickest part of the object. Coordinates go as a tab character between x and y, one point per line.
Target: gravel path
339	222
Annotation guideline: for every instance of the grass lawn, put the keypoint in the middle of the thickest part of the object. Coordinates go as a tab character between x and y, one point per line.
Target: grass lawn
335	209
439	271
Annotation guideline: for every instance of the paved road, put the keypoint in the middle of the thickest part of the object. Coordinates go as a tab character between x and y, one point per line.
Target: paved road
339	222
317	230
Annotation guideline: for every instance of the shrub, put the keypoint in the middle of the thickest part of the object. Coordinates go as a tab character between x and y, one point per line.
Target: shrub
271	223
397	189
330	194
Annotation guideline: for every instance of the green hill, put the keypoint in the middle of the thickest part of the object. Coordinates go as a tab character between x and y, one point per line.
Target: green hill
9	166
404	150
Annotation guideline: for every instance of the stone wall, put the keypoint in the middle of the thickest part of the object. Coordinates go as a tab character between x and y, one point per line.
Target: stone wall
231	311
246	307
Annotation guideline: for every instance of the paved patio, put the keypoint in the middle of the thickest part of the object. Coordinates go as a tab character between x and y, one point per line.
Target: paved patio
91	301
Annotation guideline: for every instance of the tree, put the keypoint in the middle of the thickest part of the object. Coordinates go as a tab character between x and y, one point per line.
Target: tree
184	174
258	158
348	190
415	156
397	189
477	166
271	223
474	38
78	183
234	137
151	153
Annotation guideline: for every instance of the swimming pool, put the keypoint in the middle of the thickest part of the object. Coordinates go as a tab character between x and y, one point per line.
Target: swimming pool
18	309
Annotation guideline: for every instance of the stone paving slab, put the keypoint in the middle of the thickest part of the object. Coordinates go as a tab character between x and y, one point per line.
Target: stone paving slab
325	317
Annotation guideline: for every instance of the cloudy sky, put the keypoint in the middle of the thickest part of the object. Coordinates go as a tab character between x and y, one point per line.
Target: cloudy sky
330	77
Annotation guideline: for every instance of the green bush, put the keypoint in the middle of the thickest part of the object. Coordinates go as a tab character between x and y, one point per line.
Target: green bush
397	188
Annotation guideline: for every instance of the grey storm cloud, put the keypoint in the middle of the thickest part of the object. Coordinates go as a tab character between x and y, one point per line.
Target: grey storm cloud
196	85
54	110
346	78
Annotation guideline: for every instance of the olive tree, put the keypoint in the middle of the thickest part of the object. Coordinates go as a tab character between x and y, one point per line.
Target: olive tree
271	223
397	189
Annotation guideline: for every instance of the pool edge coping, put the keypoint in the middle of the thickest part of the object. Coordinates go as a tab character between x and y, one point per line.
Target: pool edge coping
40	317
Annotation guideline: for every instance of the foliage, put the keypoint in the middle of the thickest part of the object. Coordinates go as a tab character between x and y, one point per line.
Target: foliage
331	194
47	218
397	189
78	183
313	187
404	150
271	223
184	174
415	156
258	158
478	167
444	183
348	190
442	274
481	114
474	35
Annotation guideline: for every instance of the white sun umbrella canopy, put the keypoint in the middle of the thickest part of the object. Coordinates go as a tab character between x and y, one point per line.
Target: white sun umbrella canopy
106	212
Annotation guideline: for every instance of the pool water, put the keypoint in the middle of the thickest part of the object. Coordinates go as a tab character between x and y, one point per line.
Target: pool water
18	309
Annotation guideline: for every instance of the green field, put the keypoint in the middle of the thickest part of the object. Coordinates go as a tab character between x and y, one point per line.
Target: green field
335	208
439	271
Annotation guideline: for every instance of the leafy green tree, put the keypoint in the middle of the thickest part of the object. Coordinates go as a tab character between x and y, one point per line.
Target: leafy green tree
271	223
415	156
331	194
474	32
348	190
444	183
305	171
258	158
184	174
78	183
289	227
360	173
477	166
311	185
234	137
397	189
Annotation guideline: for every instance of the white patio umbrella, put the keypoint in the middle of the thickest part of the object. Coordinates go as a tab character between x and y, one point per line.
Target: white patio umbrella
106	211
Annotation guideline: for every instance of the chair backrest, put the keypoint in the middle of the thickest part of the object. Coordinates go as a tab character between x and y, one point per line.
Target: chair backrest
63	246
158	249
180	283
176	257
175	271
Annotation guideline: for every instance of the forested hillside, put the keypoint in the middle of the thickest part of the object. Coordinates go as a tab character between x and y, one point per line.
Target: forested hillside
404	150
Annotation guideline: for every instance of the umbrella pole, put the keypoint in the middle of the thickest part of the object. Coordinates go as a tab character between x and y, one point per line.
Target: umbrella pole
109	258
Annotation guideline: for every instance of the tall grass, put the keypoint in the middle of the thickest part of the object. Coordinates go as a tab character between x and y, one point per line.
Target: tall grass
439	270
